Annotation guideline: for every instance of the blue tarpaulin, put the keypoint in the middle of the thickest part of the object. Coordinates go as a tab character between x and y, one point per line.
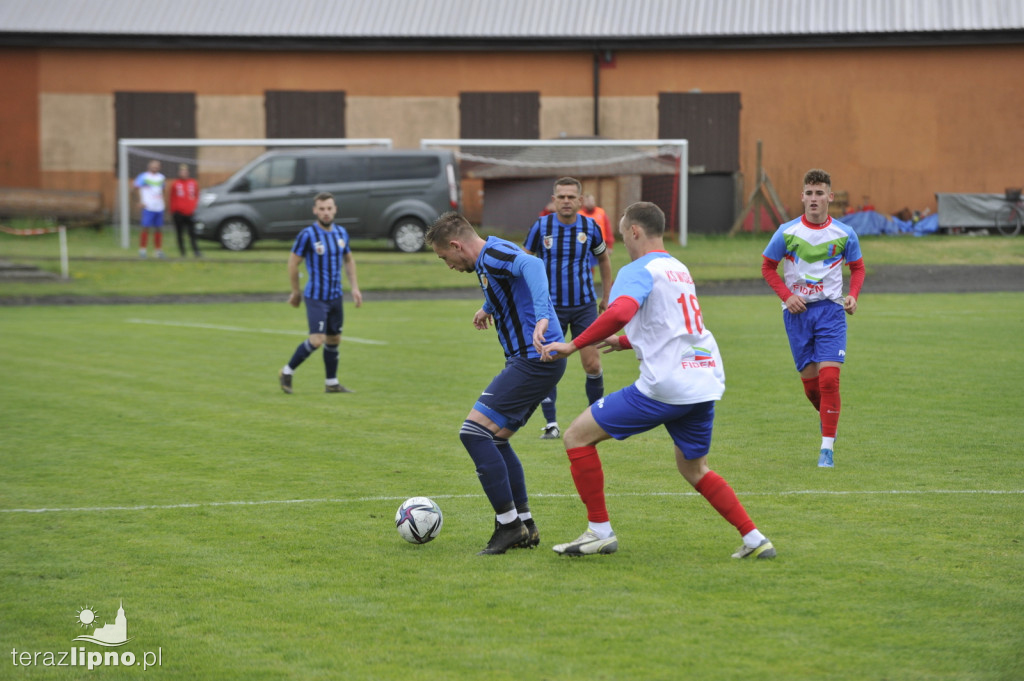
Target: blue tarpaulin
868	222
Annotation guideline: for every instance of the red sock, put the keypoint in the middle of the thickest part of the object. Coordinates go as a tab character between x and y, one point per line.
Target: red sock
585	466
144	238
158	239
812	392
828	382
721	497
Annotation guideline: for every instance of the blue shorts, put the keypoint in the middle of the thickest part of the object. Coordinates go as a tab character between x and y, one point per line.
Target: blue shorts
514	394
152	218
325	316
576	318
628	412
817	335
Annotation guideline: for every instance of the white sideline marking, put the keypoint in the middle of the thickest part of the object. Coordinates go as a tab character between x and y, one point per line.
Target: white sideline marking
221	327
355	500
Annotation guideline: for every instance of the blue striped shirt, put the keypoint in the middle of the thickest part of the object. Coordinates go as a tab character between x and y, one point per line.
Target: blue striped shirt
516	294
324	251
566	250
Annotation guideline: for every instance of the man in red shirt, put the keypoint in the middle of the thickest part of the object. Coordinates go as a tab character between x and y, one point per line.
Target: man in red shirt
184	197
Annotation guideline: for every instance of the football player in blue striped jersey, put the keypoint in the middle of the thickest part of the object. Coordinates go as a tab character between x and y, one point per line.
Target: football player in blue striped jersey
324	246
566	241
517	304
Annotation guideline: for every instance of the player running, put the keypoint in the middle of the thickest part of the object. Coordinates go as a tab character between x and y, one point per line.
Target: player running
814	248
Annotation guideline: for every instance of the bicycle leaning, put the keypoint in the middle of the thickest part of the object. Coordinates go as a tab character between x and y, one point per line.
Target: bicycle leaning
1010	217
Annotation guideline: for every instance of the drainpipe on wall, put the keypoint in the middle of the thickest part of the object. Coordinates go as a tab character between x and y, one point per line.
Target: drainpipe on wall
597	93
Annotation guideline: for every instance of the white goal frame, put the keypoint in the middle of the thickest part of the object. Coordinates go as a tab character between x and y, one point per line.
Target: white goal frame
681	144
124	182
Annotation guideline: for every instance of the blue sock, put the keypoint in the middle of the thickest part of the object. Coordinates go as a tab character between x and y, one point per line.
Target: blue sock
516	477
331	361
490	465
304	350
547	405
595	387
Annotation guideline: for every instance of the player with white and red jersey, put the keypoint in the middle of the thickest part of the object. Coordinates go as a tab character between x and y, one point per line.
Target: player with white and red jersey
813	249
681	378
679	359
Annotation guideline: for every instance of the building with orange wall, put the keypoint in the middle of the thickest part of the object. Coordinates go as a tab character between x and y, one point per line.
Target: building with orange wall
895	116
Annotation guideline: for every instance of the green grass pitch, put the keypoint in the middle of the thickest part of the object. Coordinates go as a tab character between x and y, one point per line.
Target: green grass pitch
148	457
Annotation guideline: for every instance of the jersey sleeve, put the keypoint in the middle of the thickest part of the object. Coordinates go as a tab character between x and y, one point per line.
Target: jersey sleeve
611	321
301	244
348	242
776	248
596	237
634	282
856	276
770	272
531	269
852	249
532	242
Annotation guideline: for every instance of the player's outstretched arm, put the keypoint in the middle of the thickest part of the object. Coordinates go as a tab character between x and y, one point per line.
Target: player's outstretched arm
553	351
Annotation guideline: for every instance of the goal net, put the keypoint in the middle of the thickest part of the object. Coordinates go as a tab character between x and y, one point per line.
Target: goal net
210	161
507	184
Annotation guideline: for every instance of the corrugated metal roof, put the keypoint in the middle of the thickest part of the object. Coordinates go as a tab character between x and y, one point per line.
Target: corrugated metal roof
505	19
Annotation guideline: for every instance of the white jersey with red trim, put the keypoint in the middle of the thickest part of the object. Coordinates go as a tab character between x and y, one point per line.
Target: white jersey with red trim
679	358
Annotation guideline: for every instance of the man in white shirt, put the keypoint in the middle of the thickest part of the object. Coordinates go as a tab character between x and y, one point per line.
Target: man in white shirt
150	185
681	378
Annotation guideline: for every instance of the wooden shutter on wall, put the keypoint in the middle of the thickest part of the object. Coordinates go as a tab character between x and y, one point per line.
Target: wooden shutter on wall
297	113
711	123
156	115
499	115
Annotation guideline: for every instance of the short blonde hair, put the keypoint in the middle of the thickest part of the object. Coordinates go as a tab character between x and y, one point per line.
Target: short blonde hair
449	226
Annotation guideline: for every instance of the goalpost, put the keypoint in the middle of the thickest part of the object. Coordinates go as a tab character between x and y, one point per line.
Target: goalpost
212	161
512	178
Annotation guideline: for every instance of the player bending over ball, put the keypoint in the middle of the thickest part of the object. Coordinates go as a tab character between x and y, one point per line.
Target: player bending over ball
516	301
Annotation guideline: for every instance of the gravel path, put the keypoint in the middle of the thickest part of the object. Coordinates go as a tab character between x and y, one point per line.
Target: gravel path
880	279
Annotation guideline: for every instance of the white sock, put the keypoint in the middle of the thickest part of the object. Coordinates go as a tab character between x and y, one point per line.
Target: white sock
753	539
287	371
828	442
602	530
331	381
506	518
525	516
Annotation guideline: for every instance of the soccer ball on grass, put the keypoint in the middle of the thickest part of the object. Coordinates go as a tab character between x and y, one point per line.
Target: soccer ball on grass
418	520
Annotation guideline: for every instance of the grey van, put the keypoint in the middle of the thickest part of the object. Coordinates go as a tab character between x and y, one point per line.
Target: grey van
381	194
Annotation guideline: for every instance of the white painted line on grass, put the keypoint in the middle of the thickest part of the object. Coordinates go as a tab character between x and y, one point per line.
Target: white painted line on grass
242	329
356	500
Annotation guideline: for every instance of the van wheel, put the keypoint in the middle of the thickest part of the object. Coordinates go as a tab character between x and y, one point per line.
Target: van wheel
409	235
236	234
